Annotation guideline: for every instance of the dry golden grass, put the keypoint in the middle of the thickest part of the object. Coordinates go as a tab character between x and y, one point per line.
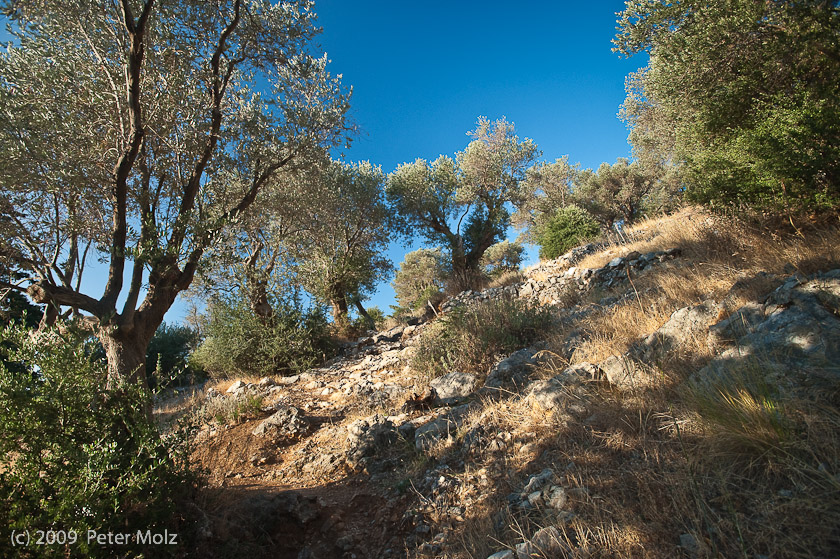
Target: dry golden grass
645	469
507	278
717	254
721	245
174	404
740	469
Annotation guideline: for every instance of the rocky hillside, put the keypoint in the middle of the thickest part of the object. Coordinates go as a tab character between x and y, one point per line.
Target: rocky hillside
682	403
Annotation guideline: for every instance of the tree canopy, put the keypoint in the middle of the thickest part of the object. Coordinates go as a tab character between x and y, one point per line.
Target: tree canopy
547	187
743	95
421	278
340	253
136	131
614	192
462	204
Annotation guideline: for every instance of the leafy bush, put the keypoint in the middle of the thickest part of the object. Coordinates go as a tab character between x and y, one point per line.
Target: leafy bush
239	342
169	351
360	323
75	456
570	227
469	338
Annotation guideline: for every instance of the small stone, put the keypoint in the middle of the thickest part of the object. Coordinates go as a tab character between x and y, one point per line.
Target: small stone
555	497
535	498
285	421
505	554
235	387
690	544
547	542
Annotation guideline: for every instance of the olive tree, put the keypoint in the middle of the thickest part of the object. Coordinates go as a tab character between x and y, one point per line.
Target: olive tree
462	204
339	255
547	187
502	257
614	192
135	132
744	96
421	278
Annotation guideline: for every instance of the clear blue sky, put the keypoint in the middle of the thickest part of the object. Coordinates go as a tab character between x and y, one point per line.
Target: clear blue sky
423	74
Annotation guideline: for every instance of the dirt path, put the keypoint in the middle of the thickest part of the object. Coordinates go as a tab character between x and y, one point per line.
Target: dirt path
293	492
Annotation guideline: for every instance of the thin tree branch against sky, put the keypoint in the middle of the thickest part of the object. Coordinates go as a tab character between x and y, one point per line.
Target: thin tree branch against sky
422	74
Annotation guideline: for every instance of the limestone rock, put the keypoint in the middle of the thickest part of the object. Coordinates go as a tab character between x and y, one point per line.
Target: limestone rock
236	387
426	436
549	394
686	324
794	344
366	435
547	542
553	393
286	421
453	387
622	371
514	369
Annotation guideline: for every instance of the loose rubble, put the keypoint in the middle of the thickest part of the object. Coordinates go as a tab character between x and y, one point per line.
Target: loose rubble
364	414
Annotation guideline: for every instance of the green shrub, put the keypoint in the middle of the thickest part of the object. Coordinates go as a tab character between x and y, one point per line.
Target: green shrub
168	355
571	226
469	338
360	323
74	456
239	342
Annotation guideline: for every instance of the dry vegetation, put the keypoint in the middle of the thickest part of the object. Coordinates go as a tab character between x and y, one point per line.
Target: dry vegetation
676	469
730	470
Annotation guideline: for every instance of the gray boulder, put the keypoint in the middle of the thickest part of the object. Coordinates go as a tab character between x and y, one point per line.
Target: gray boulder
792	339
426	436
453	387
366	435
514	369
623	372
685	325
236	387
391	335
286	421
553	393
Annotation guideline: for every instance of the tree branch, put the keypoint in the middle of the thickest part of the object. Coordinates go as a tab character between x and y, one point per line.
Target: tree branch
47	293
125	163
